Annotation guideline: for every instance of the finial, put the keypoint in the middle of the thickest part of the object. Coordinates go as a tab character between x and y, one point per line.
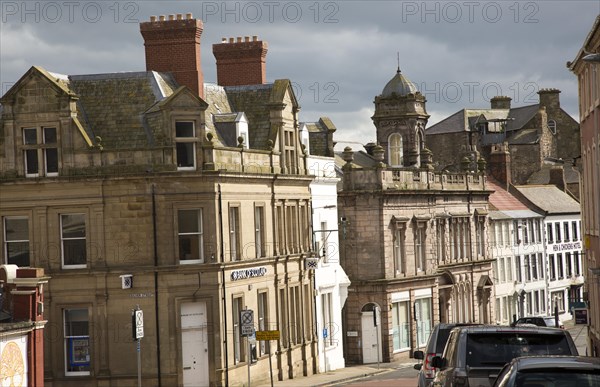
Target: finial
398	71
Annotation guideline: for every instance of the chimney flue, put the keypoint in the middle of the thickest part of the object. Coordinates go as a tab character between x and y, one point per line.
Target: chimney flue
174	46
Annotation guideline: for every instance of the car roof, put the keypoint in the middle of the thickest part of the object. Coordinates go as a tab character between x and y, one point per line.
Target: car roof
509	329
553	362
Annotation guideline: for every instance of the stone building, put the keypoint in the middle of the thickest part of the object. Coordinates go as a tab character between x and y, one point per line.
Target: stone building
155	189
413	241
586	66
534	133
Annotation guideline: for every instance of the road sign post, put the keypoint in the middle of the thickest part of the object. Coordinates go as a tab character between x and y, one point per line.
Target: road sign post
137	327
247	325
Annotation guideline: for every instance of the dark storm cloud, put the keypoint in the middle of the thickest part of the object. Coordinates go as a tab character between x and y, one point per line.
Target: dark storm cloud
339	54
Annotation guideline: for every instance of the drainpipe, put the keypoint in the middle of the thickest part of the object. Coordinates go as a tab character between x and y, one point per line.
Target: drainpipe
224	297
157	322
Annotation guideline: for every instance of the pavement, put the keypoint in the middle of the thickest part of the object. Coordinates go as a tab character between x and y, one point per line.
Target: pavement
579	334
355	372
342	375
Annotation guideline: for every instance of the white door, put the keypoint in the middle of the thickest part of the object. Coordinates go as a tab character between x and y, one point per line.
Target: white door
194	345
370	348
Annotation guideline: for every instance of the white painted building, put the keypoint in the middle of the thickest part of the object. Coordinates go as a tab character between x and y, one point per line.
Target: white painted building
517	244
562	228
331	282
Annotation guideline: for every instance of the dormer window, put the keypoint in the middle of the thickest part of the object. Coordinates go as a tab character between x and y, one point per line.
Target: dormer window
40	151
185	145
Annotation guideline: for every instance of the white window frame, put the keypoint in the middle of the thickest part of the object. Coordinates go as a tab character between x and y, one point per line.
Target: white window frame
420	246
395	150
263	320
186	140
327	315
63	239
7	242
199	234
399	249
40	148
259	231
68	338
239	353
234	234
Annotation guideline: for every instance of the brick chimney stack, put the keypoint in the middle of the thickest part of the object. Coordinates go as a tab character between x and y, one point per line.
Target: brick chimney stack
557	177
501	102
173	46
241	61
550	99
499	165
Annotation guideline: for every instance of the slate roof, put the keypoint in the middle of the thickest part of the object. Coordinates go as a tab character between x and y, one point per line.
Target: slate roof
251	100
526	136
521	116
361	160
218	103
465	120
112	105
318	134
543	175
225	125
550	199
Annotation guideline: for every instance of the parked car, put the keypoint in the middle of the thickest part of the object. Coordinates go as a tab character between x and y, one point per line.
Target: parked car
435	347
577	371
474	355
538	321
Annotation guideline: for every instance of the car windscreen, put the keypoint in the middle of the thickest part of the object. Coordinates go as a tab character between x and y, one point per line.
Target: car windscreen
558	377
494	349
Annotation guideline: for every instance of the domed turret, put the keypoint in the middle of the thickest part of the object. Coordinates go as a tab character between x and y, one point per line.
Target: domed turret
400	118
400	85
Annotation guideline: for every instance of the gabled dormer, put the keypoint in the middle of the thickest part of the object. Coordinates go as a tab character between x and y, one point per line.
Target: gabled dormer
40	126
183	117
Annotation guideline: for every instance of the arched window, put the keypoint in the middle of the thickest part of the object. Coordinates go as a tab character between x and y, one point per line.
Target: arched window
395	150
552	126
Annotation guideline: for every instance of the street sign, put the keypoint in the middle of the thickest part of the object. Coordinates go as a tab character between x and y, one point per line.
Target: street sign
137	324
311	263
376	316
267	335
247	322
325	333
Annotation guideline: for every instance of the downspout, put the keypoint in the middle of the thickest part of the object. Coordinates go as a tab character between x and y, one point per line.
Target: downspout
224	297
157	320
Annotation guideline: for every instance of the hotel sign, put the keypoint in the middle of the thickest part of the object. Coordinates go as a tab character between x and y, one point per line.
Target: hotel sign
248	273
567	246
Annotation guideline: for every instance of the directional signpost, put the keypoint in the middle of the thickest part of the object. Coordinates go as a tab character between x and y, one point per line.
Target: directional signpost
267	336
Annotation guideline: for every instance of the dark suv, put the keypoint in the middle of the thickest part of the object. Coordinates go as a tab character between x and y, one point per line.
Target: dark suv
435	347
475	355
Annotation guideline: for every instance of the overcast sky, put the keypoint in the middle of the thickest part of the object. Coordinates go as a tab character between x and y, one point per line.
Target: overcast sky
338	54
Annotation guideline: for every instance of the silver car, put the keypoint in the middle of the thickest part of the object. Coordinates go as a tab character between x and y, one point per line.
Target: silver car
577	371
